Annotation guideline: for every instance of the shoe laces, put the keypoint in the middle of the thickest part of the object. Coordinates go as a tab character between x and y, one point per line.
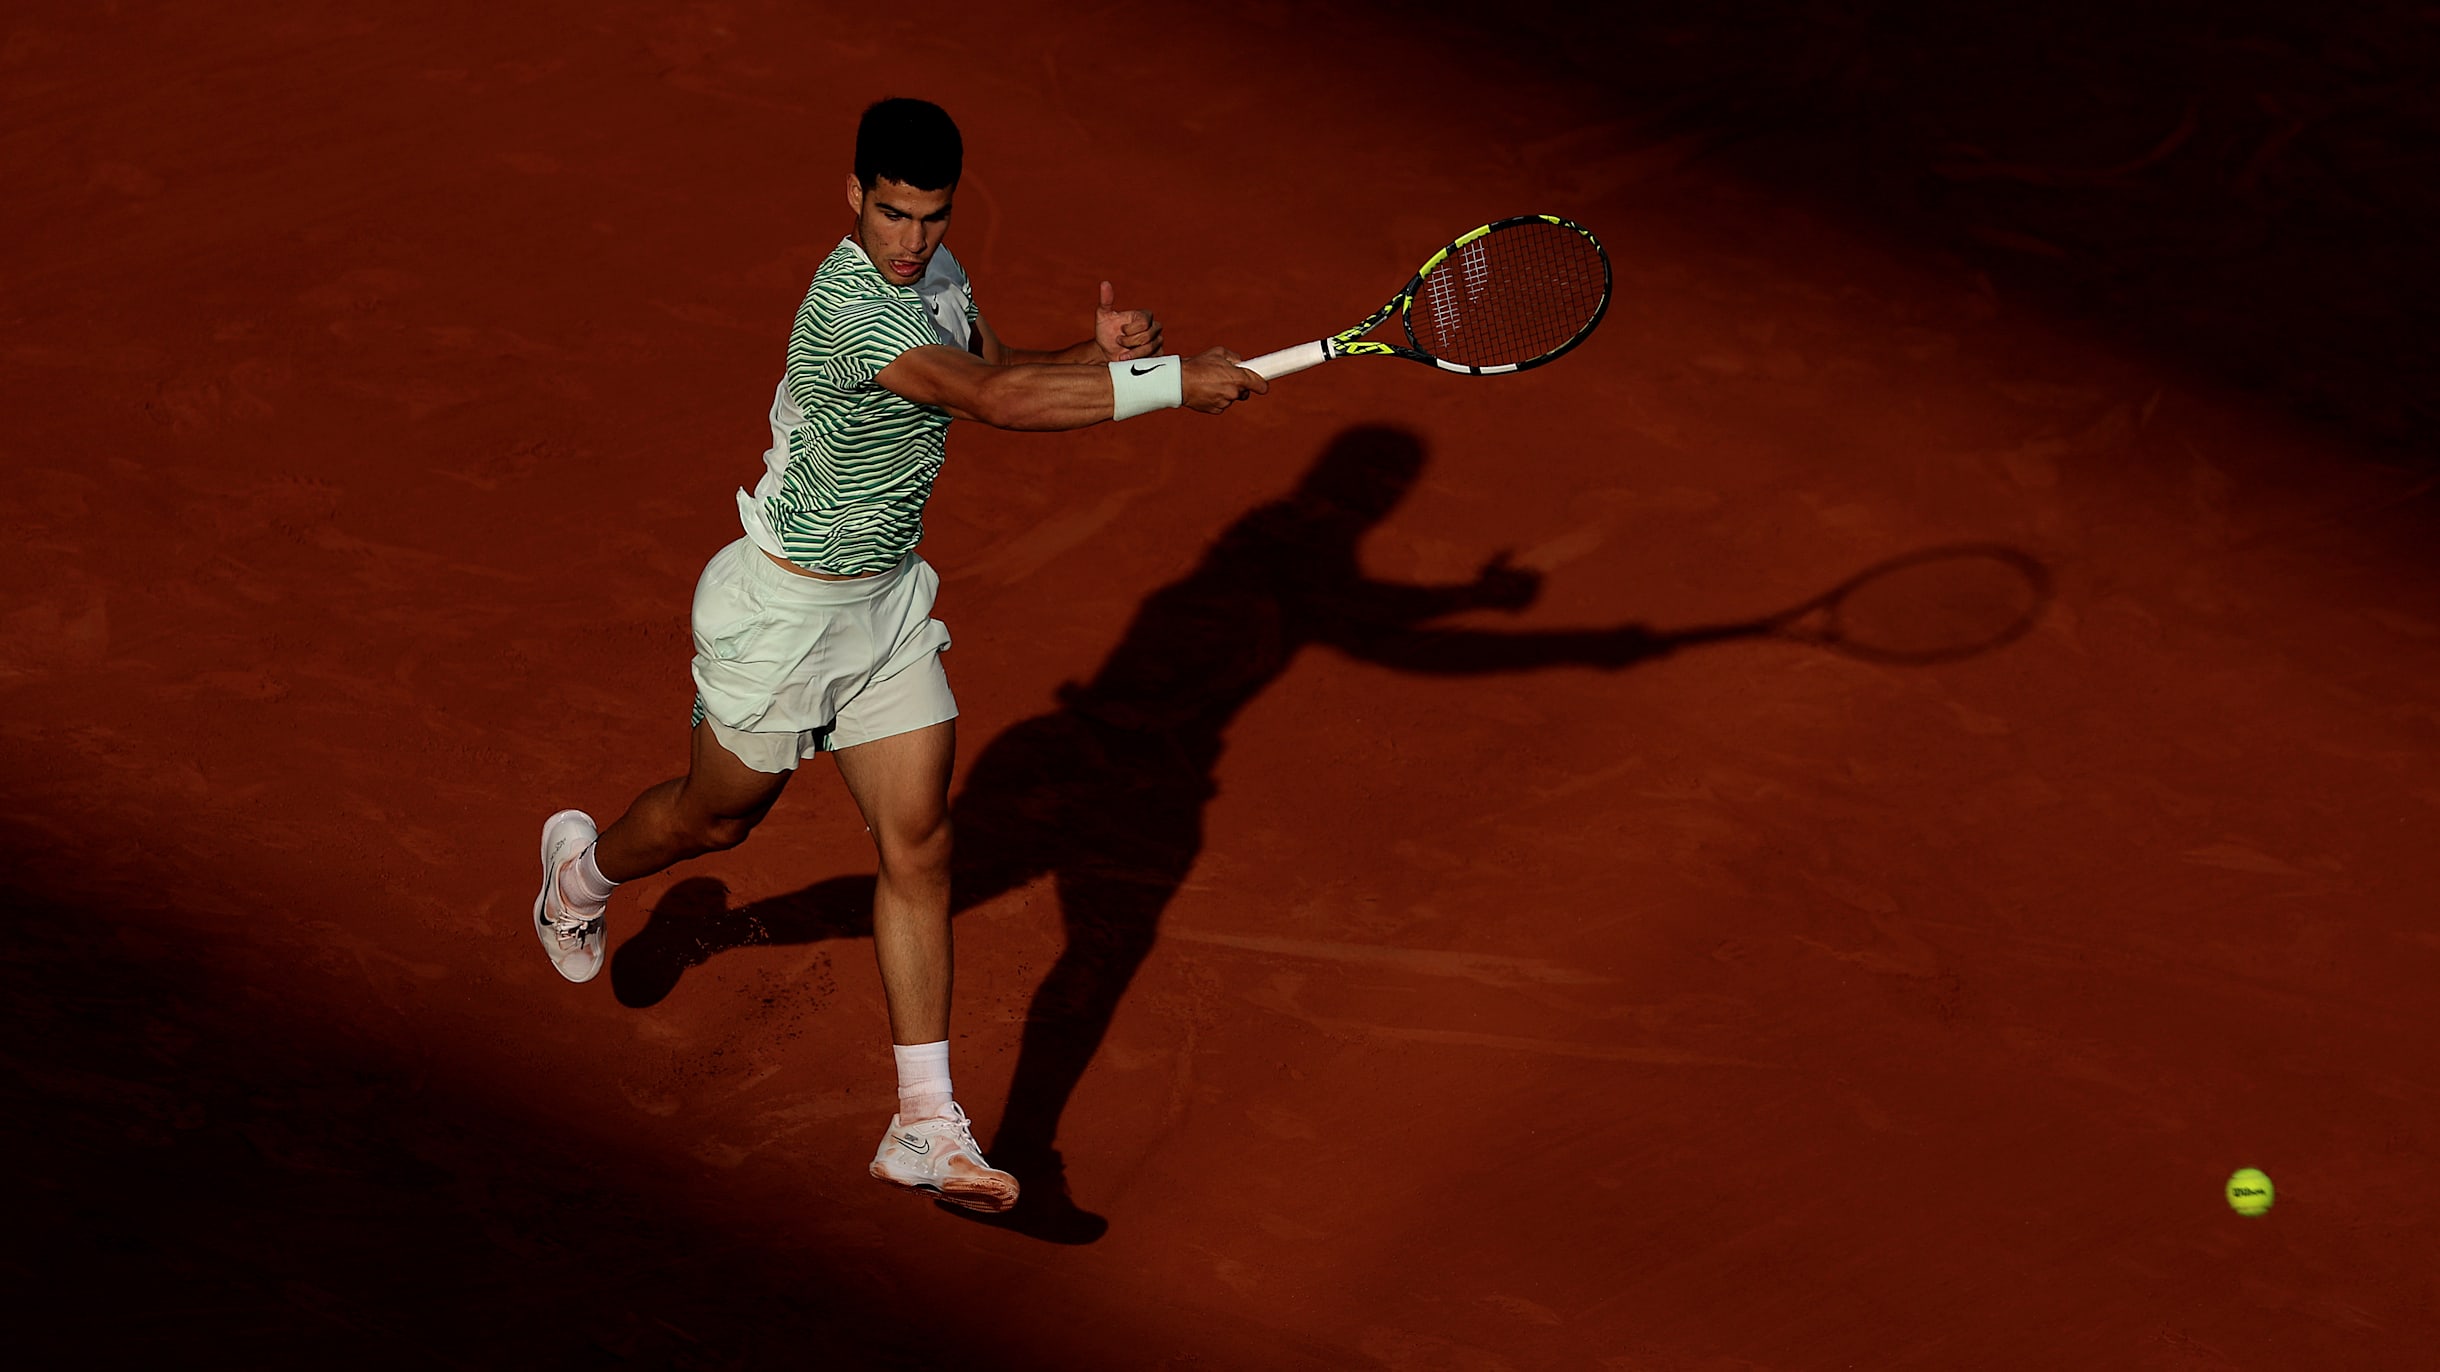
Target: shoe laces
964	1128
954	1126
565	922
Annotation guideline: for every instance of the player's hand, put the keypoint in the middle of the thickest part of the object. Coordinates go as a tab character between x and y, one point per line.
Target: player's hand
1213	381
1499	586
1124	334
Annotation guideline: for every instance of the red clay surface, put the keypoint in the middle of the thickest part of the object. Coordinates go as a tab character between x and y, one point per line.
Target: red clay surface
1509	999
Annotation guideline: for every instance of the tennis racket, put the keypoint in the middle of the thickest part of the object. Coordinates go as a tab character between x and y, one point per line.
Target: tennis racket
1506	297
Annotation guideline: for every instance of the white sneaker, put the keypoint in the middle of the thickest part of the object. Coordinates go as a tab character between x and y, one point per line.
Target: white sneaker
939	1157
575	942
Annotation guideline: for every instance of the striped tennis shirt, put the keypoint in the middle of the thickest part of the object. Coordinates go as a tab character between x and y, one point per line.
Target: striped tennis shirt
852	463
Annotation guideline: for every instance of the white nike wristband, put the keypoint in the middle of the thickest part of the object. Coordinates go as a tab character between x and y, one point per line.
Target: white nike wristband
1147	384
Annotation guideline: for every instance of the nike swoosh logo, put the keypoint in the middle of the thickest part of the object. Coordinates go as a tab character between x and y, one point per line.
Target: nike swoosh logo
1144	371
915	1145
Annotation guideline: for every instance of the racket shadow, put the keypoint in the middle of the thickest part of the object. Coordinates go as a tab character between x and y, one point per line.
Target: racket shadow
1921	609
1104	794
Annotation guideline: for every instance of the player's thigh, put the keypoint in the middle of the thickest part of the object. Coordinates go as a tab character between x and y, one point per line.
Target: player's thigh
720	787
901	783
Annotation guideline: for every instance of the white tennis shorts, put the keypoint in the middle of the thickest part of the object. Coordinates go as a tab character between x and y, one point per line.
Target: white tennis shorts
787	666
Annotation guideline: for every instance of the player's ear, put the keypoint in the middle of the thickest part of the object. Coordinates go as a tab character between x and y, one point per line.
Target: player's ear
855	196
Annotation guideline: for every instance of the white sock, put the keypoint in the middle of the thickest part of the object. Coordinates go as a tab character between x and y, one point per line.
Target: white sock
582	887
923	1080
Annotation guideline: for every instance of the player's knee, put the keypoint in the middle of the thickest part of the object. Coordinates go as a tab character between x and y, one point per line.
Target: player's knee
719	833
912	848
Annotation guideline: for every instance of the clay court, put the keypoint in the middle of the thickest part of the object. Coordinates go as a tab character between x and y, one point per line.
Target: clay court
1626	979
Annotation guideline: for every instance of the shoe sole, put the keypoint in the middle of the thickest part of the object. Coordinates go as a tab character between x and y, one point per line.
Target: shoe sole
989	1200
542	928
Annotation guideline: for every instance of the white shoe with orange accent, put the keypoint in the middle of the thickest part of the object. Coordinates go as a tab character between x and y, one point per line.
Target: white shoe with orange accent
939	1157
575	942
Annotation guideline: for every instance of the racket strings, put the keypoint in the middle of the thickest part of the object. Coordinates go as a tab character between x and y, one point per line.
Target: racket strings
1513	295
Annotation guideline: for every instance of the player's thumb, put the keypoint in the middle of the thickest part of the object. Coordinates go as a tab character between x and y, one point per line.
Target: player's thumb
1109	297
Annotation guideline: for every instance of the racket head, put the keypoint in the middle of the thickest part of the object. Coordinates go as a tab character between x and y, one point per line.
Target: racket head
1507	297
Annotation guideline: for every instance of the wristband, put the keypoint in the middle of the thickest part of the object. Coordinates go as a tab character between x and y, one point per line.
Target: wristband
1147	384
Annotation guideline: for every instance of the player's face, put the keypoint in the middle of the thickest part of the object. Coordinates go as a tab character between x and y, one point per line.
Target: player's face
898	226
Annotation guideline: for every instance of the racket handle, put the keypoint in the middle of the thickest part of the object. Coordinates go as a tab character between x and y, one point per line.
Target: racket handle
1272	366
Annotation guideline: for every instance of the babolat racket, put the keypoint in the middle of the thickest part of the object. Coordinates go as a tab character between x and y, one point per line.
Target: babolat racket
1502	298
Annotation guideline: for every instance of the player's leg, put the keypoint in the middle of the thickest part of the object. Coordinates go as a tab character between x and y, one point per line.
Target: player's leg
901	786
714	806
757	632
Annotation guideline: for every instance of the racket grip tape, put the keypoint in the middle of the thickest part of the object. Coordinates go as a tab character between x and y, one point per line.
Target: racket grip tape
1272	366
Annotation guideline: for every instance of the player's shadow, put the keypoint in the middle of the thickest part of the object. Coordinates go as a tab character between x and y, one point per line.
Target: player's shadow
1105	793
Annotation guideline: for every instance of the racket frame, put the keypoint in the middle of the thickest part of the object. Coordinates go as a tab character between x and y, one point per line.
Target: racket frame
1353	343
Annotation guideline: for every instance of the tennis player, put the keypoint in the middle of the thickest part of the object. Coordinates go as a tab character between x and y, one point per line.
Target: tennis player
814	631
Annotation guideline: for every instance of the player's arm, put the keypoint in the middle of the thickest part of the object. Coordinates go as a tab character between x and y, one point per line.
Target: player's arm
1118	335
1043	396
988	346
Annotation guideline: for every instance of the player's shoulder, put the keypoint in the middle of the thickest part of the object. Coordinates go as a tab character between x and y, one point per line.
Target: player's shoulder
846	272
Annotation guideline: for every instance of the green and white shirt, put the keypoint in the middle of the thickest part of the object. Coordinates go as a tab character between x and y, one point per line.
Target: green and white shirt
851	463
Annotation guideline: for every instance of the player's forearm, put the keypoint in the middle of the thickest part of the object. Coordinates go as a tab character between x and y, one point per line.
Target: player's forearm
1044	396
1069	396
1074	354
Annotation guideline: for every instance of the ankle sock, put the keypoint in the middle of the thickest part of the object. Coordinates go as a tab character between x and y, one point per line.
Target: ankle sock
923	1080
582	887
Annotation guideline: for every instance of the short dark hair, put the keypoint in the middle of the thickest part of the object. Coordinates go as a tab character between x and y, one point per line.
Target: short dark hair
913	141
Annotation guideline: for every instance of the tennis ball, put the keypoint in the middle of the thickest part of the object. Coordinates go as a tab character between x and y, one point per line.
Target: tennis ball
2249	1192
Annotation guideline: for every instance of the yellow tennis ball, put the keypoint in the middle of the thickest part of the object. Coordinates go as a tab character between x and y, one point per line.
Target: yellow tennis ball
2249	1192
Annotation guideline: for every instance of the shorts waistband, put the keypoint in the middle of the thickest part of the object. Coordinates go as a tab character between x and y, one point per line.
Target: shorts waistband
780	584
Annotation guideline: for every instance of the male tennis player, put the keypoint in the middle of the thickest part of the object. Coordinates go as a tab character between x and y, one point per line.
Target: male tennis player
813	632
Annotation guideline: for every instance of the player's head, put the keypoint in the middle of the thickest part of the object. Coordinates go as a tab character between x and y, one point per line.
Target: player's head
914	142
908	159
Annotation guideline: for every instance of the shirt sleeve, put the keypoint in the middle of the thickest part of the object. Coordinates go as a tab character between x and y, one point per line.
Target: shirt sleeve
858	337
